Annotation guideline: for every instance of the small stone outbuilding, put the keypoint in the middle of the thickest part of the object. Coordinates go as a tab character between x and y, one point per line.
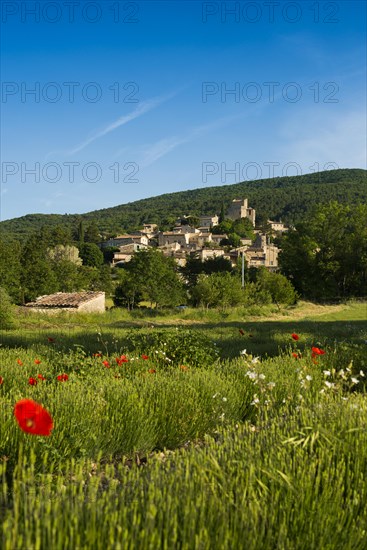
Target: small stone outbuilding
86	302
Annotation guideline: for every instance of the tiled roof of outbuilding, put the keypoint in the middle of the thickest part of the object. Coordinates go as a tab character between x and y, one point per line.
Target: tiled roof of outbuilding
64	299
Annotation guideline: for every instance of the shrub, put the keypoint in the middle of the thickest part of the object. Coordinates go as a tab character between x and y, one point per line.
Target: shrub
175	346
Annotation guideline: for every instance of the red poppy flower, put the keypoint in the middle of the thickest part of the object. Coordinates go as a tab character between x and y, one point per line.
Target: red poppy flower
121	360
62	377
106	364
97	354
51	340
19	362
32	381
41	377
295	355
152	371
295	336
37	361
33	418
184	368
145	357
317	351
1	380
241	331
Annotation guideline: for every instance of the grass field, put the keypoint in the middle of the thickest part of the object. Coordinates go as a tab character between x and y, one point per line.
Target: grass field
187	429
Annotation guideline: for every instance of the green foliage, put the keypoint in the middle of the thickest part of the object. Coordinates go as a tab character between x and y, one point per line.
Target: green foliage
278	286
218	290
91	254
272	451
233	240
256	295
10	253
127	292
108	253
236	230
37	277
244	228
62	252
156	278
67	276
326	256
174	347
7	320
288	198
91	234
194	267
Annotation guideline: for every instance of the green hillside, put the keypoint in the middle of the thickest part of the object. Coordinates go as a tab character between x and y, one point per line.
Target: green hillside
288	198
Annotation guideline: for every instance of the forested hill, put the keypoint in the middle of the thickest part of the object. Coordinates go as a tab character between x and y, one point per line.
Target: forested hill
286	198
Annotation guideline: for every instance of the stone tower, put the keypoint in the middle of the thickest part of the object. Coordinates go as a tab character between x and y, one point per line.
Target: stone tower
239	209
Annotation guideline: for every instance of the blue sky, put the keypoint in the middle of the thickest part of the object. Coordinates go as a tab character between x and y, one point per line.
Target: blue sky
137	102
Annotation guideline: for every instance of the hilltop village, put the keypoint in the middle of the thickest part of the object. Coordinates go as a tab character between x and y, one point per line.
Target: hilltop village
199	237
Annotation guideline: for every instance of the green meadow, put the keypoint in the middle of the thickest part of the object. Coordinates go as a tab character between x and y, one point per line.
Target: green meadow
187	429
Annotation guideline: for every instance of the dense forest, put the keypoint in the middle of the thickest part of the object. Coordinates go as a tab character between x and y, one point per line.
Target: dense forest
285	198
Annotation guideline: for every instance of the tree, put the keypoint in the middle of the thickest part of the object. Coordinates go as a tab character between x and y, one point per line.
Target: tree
226	226
244	228
222	214
67	275
6	311
278	286
92	234
108	253
156	277
80	232
127	292
195	267
10	252
68	253
218	290
91	254
193	221
37	277
58	235
325	257
233	240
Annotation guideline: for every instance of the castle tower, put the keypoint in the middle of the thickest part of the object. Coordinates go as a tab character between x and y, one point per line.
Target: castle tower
239	209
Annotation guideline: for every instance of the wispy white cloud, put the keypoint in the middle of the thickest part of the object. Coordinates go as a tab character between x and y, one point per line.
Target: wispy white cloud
159	149
143	108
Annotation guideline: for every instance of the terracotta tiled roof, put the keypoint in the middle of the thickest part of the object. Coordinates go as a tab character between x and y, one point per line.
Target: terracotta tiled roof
64	299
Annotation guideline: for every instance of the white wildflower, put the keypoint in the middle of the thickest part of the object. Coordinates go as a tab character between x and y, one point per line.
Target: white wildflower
251	375
361	373
327	373
255	360
224	399
308	377
271	385
329	384
355	380
243	352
